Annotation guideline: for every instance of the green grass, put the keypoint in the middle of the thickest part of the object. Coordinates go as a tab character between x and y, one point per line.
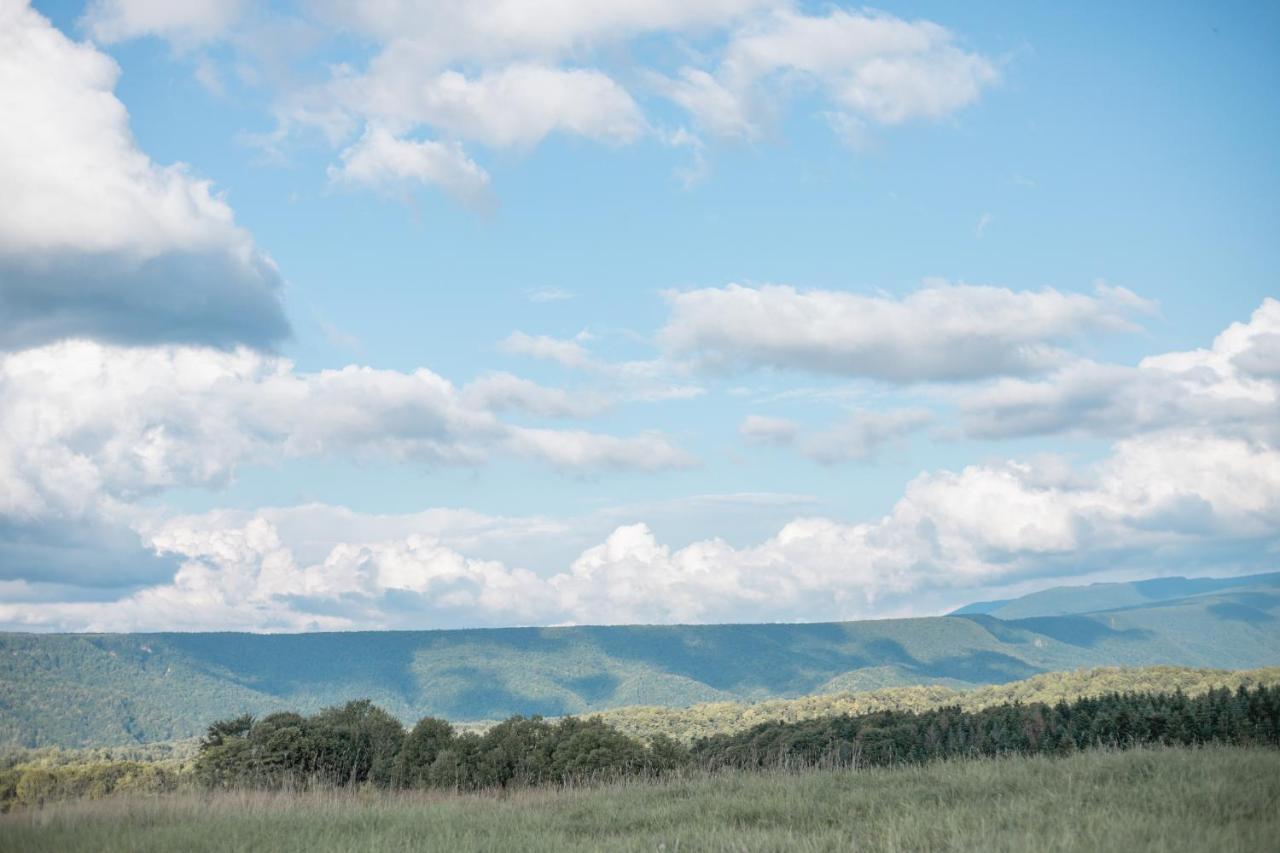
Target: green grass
1219	799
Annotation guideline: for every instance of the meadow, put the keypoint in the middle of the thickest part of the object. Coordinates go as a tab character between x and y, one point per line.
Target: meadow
1167	799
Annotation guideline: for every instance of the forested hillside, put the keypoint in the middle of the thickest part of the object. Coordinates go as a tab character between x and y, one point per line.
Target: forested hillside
100	689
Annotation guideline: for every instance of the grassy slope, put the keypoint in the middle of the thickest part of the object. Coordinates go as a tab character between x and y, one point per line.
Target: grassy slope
1213	799
76	690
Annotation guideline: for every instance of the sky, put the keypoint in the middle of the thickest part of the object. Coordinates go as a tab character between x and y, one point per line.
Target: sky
327	316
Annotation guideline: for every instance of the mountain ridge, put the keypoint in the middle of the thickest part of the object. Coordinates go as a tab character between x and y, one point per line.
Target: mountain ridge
111	689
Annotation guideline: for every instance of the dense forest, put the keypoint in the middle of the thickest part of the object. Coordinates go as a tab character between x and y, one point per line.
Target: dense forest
359	744
83	690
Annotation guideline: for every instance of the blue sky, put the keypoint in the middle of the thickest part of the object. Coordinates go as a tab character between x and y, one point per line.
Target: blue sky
697	311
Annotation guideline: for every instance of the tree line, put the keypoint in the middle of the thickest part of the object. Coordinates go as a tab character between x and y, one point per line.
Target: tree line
1244	717
688	724
359	744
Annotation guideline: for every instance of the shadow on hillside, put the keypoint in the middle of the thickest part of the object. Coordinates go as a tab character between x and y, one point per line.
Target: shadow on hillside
286	665
738	658
593	689
485	698
1080	631
1237	612
979	667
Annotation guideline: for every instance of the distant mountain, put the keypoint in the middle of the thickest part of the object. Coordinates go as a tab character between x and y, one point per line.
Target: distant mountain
1066	600
100	689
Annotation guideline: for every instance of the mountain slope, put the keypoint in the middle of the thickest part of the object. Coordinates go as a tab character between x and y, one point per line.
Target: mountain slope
96	689
1066	600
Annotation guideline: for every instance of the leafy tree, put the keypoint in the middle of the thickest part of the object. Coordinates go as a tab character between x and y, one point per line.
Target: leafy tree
423	745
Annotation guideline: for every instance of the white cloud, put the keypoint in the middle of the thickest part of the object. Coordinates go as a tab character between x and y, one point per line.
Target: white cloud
380	159
870	65
943	332
717	108
507	75
503	391
494	30
1230	388
578	450
85	423
515	106
567	353
95	238
1155	502
90	428
1169	496
760	429
863	434
645	381
185	23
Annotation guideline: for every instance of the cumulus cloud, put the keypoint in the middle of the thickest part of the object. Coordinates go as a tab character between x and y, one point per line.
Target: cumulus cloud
85	423
1155	502
943	332
515	106
96	240
1170	494
507	75
1230	388
380	159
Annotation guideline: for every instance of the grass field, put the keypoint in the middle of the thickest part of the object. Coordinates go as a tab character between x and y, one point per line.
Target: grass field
1218	799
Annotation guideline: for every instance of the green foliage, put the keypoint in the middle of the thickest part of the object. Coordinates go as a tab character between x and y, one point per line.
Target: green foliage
360	743
422	746
699	721
34	786
1245	717
1168	800
98	689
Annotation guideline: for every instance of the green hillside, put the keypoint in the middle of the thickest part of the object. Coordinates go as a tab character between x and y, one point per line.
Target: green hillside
100	689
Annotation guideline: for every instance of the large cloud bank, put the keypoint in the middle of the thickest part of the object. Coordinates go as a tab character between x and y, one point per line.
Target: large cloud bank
96	239
1193	487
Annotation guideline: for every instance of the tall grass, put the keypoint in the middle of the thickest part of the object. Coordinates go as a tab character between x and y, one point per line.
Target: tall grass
1218	799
